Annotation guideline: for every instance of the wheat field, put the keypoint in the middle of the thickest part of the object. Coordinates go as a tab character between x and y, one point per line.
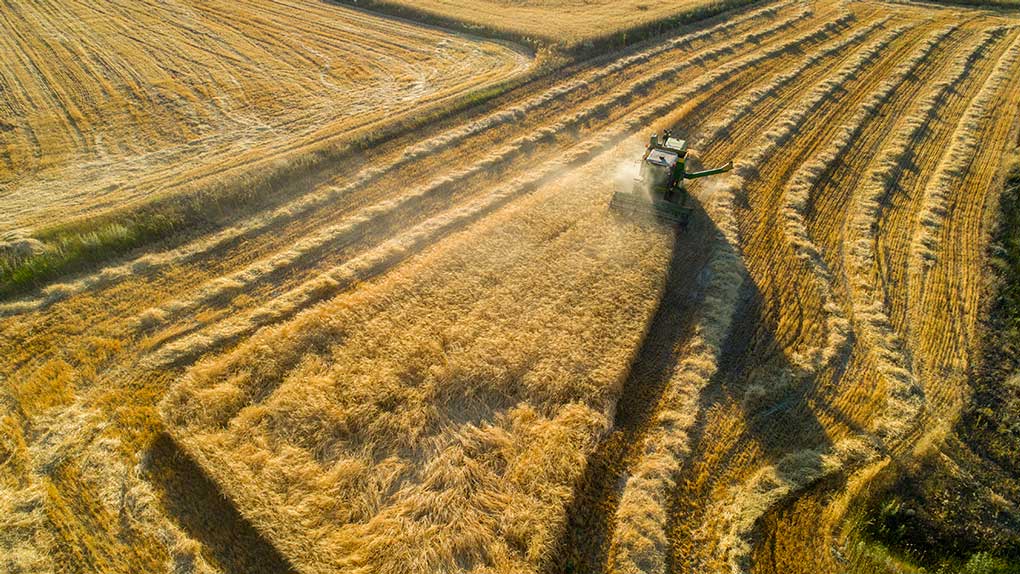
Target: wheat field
103	105
562	22
456	358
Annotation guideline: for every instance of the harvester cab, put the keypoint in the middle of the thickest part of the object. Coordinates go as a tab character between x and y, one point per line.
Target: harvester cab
659	190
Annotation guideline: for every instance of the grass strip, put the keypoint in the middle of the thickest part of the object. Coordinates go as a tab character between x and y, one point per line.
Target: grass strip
82	243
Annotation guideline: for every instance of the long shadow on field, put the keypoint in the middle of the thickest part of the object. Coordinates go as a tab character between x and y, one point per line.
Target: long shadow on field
779	412
230	543
591	516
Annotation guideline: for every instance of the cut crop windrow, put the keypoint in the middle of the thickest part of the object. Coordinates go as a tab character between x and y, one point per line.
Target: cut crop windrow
639	541
746	104
798	191
386	254
954	165
870	320
800	469
332	194
356	225
233	284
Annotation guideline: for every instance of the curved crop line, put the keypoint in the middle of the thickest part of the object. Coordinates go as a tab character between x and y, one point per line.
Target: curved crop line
389	253
797	193
745	105
639	541
307	204
772	485
955	163
870	319
798	470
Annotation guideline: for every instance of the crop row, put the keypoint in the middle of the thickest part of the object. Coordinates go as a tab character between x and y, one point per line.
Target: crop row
332	194
798	191
640	542
381	257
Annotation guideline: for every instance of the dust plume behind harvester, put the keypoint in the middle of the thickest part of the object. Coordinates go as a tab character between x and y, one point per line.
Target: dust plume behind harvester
659	190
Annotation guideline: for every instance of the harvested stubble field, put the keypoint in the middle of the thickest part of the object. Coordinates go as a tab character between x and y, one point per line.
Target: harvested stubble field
106	103
454	358
562	22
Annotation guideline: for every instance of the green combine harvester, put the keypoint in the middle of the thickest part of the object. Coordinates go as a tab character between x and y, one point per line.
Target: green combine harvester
658	190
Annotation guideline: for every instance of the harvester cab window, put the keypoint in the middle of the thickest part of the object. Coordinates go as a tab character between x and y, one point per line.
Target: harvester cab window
662	157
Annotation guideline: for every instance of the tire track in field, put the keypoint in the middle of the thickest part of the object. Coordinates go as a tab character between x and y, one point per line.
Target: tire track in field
957	165
314	203
795	203
799	253
870	318
149	96
327	284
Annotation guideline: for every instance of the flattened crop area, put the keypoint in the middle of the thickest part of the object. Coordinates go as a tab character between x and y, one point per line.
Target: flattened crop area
105	103
453	357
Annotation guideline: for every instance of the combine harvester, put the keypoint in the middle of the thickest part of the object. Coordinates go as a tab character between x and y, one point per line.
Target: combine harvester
658	190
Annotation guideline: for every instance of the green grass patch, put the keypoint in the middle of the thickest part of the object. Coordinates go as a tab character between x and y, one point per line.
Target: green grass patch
936	517
81	244
1006	257
877	558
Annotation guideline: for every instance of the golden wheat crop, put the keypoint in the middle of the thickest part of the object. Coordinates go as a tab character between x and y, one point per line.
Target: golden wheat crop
450	355
566	22
107	104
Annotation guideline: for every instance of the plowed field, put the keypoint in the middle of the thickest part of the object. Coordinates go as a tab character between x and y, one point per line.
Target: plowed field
454	357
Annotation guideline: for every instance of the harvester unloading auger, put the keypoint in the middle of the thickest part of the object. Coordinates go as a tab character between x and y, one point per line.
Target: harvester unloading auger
658	190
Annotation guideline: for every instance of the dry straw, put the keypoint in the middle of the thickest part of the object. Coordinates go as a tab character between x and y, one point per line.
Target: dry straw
358	224
411	432
956	161
797	193
899	414
331	194
389	253
639	541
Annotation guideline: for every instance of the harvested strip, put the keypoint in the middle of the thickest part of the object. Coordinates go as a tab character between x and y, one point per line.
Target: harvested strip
355	226
332	194
391	252
639	542
797	193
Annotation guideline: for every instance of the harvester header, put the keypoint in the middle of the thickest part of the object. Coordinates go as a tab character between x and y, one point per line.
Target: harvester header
659	190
